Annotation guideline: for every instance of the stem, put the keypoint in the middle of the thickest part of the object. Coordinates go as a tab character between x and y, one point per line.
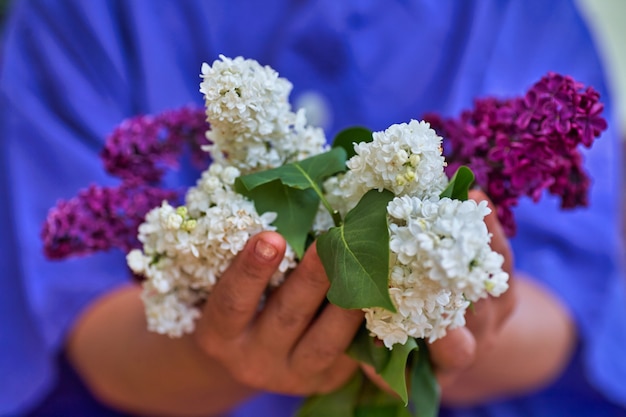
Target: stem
337	220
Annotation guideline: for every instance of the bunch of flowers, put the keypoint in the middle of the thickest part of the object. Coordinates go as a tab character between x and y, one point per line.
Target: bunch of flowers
522	146
388	212
441	260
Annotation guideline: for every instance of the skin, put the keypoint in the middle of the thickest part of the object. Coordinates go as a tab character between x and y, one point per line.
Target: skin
511	344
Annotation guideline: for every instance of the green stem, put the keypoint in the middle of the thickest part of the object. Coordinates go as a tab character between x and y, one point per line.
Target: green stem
337	220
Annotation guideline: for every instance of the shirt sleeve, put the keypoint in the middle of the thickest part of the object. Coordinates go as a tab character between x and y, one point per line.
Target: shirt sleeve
58	101
578	253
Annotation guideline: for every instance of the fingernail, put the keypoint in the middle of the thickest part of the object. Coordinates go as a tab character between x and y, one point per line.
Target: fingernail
265	250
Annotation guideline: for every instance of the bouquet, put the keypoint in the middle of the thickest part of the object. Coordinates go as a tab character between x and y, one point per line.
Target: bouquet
388	210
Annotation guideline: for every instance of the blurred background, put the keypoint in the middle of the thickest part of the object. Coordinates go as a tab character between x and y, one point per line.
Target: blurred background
606	18
3	8
607	21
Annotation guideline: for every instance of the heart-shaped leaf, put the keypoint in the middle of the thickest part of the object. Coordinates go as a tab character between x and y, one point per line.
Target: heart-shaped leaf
355	255
374	402
293	192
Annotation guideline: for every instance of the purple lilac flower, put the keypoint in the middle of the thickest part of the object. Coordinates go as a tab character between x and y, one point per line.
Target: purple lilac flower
525	145
138	151
142	148
99	219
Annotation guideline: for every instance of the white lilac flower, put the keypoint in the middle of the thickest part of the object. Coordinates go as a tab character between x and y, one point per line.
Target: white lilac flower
405	159
449	240
173	313
186	249
424	310
251	122
440	262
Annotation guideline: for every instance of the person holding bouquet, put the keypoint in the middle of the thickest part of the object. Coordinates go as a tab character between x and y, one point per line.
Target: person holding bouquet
74	334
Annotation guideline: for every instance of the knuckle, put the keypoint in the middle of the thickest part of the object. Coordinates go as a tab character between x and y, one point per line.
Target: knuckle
251	374
321	357
210	343
231	303
463	355
289	318
251	271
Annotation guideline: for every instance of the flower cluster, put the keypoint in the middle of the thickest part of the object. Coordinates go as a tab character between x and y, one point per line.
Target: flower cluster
138	151
523	146
405	159
98	219
441	262
440	254
143	148
252	125
186	248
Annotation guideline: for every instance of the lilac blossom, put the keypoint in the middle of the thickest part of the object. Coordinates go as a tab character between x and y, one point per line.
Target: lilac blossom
144	147
138	151
99	219
525	145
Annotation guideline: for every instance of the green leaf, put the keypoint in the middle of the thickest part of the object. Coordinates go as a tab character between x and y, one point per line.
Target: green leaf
459	185
425	392
365	350
296	210
391	365
395	371
348	137
355	255
293	192
389	410
308	173
375	402
339	403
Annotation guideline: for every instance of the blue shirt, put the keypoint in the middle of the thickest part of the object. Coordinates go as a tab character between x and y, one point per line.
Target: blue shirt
72	70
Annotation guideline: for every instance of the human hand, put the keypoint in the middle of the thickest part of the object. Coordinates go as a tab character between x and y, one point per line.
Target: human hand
296	344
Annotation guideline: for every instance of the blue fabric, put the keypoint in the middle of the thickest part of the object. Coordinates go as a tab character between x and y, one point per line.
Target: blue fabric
71	70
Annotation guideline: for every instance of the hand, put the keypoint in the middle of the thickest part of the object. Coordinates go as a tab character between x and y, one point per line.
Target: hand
459	349
296	344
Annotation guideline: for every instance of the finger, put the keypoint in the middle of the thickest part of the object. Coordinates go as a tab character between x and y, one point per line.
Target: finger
336	375
290	309
234	301
327	339
454	352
